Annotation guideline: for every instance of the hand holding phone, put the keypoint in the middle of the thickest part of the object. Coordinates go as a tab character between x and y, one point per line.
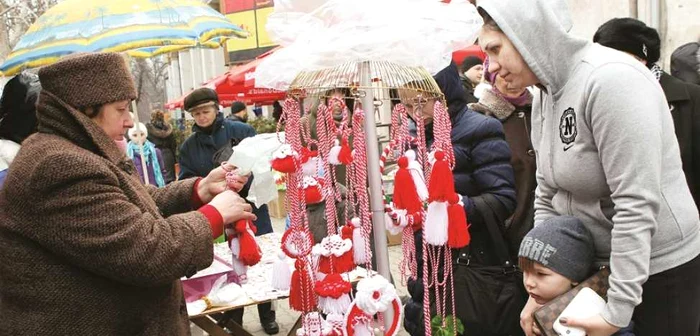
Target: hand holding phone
585	304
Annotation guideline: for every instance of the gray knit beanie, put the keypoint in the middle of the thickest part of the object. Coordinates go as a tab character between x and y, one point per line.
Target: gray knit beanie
562	244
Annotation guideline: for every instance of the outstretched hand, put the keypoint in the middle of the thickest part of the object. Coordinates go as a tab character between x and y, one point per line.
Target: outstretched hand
215	183
594	326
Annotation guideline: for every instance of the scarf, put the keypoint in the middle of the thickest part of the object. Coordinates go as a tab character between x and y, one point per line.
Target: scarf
149	153
656	70
524	99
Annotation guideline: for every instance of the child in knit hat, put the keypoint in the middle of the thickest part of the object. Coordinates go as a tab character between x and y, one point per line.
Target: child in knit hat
555	256
152	155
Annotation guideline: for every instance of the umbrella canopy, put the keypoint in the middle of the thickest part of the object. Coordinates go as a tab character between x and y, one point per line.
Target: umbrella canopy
142	28
237	84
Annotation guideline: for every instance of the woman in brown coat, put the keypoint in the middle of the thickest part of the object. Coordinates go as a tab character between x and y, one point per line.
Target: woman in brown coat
87	249
512	106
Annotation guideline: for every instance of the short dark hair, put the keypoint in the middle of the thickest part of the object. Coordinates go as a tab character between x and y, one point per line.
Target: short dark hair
488	20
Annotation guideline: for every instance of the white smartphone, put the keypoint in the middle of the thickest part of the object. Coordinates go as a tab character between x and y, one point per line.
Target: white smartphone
585	304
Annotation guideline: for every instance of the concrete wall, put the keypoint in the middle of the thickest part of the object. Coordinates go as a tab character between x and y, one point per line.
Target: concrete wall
679	20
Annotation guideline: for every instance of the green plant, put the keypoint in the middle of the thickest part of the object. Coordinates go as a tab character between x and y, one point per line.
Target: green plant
447	328
264	125
181	135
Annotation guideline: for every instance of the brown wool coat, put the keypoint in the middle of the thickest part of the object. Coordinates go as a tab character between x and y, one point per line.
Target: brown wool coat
86	249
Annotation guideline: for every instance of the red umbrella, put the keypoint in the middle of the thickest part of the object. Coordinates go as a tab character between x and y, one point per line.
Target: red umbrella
237	84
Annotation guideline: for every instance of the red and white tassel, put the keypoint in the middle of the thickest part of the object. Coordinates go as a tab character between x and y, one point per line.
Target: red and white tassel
345	155
249	253
440	189
335	255
359	242
458	232
417	175
405	195
312	190
301	295
333	294
281	273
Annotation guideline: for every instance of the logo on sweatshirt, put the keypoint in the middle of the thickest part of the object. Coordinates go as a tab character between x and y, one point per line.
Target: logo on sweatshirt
567	127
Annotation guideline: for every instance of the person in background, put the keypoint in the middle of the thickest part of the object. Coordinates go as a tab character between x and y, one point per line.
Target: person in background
276	111
643	43
470	72
80	234
512	106
154	159
160	133
481	171
209	134
606	154
239	112
257	110
685	63
570	261
17	117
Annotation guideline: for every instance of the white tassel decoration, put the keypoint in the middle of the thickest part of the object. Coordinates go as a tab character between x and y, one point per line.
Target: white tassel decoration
417	175
334	153
330	305
435	225
281	273
359	243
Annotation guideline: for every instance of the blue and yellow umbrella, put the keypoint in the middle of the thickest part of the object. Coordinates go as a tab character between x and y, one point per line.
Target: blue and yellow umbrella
142	28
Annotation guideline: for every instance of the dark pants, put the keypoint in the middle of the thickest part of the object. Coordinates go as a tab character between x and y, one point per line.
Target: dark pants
670	302
265	313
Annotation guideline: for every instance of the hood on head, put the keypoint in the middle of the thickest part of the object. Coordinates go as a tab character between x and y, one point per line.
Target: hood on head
532	25
685	63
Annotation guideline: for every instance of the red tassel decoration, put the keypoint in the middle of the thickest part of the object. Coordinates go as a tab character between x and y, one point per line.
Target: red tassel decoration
336	252
457	232
333	293
284	165
301	289
250	253
345	154
312	190
405	195
442	183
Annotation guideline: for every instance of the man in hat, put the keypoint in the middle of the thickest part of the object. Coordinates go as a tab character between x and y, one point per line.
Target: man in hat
643	43
238	112
471	72
210	133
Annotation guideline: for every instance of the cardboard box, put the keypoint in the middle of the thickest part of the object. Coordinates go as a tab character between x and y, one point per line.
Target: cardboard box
200	284
393	240
276	207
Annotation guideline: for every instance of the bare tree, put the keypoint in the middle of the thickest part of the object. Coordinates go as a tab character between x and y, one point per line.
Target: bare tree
15	18
149	75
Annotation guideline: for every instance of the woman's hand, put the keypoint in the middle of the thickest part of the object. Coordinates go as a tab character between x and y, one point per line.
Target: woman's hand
594	326
527	321
215	183
232	207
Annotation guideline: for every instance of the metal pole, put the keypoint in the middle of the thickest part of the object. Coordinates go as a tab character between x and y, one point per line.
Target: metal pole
376	202
204	64
143	158
194	78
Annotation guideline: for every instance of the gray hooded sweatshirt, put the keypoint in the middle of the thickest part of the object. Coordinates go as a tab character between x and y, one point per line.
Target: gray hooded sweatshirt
606	151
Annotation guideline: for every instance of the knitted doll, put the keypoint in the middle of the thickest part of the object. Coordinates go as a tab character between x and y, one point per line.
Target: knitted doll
152	156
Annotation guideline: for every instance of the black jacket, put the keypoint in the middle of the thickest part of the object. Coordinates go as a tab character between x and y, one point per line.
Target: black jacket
162	136
482	166
684	101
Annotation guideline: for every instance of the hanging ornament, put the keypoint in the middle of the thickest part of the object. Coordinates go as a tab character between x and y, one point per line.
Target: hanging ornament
333	294
281	274
340	153
283	160
249	253
359	241
331	251
312	190
458	233
313	324
336	322
375	295
417	175
441	187
301	295
297	241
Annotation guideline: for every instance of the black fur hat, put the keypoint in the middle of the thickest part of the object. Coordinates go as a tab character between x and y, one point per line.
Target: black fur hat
632	36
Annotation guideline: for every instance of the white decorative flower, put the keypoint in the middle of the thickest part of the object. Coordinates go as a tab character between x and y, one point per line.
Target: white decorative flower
334	245
375	295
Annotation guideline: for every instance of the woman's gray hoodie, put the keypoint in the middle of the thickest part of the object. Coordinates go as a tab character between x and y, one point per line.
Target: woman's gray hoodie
606	151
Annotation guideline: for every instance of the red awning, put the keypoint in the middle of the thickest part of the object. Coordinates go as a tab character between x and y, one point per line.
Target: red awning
474	50
237	84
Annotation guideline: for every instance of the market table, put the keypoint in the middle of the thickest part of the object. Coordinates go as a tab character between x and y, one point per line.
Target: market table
258	288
